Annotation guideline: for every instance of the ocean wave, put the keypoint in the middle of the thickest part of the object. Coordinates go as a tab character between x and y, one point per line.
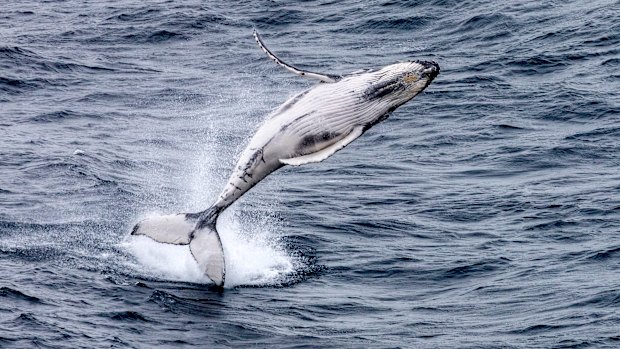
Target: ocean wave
483	213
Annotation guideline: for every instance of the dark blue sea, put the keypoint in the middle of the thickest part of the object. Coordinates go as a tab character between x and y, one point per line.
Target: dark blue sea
485	213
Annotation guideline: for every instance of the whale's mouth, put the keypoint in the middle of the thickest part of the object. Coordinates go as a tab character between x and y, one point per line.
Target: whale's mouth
430	72
431	69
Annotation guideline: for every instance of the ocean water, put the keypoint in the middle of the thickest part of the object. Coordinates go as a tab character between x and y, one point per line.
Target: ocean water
485	213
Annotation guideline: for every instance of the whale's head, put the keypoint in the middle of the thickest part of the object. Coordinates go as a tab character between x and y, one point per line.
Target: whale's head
400	82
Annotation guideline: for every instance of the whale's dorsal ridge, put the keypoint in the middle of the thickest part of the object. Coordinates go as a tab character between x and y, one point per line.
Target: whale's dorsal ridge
329	78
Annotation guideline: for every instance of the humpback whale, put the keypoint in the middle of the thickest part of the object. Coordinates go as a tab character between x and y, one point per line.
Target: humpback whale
309	127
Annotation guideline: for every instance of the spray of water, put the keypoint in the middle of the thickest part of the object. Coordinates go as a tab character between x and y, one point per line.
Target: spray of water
254	255
251	259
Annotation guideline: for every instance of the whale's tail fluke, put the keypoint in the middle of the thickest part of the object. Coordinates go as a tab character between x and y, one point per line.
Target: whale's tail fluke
196	229
206	247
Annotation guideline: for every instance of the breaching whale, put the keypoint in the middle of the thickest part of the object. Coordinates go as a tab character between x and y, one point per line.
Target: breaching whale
309	127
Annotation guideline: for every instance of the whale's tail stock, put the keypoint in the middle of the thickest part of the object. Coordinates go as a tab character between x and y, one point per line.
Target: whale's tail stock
194	229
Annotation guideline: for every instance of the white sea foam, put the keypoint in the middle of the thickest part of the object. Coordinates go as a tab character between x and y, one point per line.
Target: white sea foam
254	259
167	261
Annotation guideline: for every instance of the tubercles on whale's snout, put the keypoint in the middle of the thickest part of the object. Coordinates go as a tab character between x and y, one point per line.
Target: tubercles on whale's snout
431	68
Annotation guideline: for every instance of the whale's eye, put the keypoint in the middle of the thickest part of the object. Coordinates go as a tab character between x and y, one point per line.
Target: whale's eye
410	78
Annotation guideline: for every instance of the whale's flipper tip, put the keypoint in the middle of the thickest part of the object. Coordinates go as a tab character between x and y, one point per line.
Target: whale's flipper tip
206	247
171	229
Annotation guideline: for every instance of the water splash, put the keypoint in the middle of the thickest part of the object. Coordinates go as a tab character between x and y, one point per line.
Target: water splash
251	259
253	254
253	251
167	261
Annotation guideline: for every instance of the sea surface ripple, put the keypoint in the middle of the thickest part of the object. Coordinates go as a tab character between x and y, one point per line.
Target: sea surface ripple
483	214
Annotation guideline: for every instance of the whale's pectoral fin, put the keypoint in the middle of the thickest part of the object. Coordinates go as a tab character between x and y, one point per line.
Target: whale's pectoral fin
170	229
206	247
300	72
325	152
